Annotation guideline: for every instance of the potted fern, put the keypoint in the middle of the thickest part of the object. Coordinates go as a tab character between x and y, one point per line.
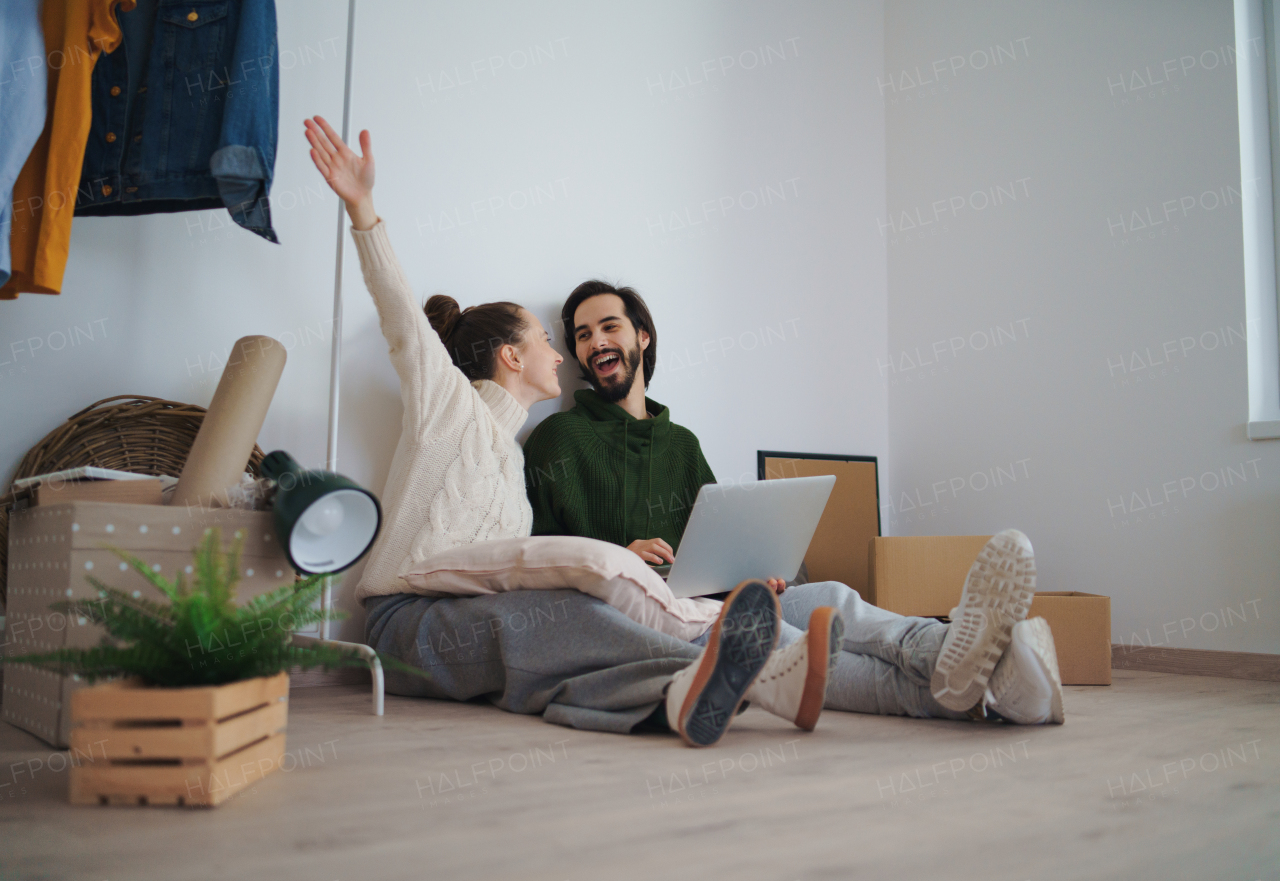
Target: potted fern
197	704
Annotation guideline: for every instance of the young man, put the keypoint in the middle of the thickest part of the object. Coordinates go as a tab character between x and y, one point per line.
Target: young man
616	468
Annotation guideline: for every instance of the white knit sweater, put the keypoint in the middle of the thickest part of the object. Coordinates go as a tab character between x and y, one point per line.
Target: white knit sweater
457	475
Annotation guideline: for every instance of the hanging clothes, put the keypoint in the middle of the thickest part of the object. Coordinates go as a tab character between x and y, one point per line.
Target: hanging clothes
185	113
76	32
23	81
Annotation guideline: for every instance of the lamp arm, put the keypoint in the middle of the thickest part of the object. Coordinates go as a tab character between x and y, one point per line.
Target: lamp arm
365	652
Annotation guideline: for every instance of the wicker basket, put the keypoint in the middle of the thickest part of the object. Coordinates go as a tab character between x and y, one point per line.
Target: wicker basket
128	432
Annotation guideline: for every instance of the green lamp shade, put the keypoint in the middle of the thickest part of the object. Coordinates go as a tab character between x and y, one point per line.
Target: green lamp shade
324	522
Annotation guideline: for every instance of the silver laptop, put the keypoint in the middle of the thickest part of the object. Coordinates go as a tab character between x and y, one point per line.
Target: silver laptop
747	530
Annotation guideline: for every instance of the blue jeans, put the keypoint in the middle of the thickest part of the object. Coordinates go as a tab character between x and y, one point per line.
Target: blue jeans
886	660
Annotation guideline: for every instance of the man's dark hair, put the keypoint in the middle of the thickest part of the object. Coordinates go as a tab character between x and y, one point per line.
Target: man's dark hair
637	313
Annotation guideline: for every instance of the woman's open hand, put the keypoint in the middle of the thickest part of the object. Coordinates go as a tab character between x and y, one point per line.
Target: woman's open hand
348	175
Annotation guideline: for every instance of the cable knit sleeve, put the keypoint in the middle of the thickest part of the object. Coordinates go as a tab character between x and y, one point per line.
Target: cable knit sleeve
428	376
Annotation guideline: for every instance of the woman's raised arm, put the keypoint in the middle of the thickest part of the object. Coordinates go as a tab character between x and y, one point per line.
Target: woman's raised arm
429	381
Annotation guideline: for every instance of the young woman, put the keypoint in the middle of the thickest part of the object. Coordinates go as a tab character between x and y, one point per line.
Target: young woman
467	380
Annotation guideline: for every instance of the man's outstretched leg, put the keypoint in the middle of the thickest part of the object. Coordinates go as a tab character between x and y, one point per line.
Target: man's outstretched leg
890	662
884	661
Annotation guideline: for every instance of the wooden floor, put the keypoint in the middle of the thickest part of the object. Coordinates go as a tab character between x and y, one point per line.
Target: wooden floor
1158	776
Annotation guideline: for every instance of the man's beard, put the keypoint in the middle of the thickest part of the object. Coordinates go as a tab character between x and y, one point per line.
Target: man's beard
617	386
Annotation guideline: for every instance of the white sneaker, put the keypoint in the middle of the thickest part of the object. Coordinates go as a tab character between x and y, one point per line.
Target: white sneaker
997	595
703	698
1026	687
793	684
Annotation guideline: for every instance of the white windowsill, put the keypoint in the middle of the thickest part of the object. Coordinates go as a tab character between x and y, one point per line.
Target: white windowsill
1258	219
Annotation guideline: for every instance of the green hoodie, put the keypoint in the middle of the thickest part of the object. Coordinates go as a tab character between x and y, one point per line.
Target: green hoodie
599	472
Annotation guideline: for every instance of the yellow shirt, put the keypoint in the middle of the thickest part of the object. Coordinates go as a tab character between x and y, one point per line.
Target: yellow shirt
44	195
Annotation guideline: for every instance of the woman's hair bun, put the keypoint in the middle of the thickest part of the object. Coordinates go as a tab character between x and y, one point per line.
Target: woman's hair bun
443	313
473	344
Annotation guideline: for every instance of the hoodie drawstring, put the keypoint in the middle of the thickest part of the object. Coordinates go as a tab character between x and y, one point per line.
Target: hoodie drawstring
649	503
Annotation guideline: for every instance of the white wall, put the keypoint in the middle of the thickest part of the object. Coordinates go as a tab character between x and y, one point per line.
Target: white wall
1133	474
717	156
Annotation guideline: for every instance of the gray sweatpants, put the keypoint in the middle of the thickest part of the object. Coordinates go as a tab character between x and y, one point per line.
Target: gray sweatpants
579	662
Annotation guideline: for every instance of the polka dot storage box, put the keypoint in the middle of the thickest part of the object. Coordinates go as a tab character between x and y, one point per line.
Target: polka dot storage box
51	550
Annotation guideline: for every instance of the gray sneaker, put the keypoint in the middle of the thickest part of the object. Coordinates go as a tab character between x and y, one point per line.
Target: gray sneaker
1026	687
997	595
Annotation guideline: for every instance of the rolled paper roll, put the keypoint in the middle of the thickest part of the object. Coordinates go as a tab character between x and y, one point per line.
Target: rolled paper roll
230	428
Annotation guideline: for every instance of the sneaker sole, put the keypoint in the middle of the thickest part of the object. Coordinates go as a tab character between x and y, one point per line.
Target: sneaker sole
826	633
741	640
998	592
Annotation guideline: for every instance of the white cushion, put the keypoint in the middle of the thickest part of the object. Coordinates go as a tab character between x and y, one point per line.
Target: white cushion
606	571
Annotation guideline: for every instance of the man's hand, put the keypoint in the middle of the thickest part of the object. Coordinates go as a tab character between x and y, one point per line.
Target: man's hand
652	550
777	585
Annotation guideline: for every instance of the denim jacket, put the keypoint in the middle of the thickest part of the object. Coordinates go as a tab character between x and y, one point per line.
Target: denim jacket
186	113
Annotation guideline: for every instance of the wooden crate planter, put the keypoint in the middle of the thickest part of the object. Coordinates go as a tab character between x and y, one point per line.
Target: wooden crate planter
176	746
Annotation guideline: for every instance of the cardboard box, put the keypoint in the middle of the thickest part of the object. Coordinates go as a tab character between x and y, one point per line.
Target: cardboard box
1081	625
920	575
838	551
52	548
